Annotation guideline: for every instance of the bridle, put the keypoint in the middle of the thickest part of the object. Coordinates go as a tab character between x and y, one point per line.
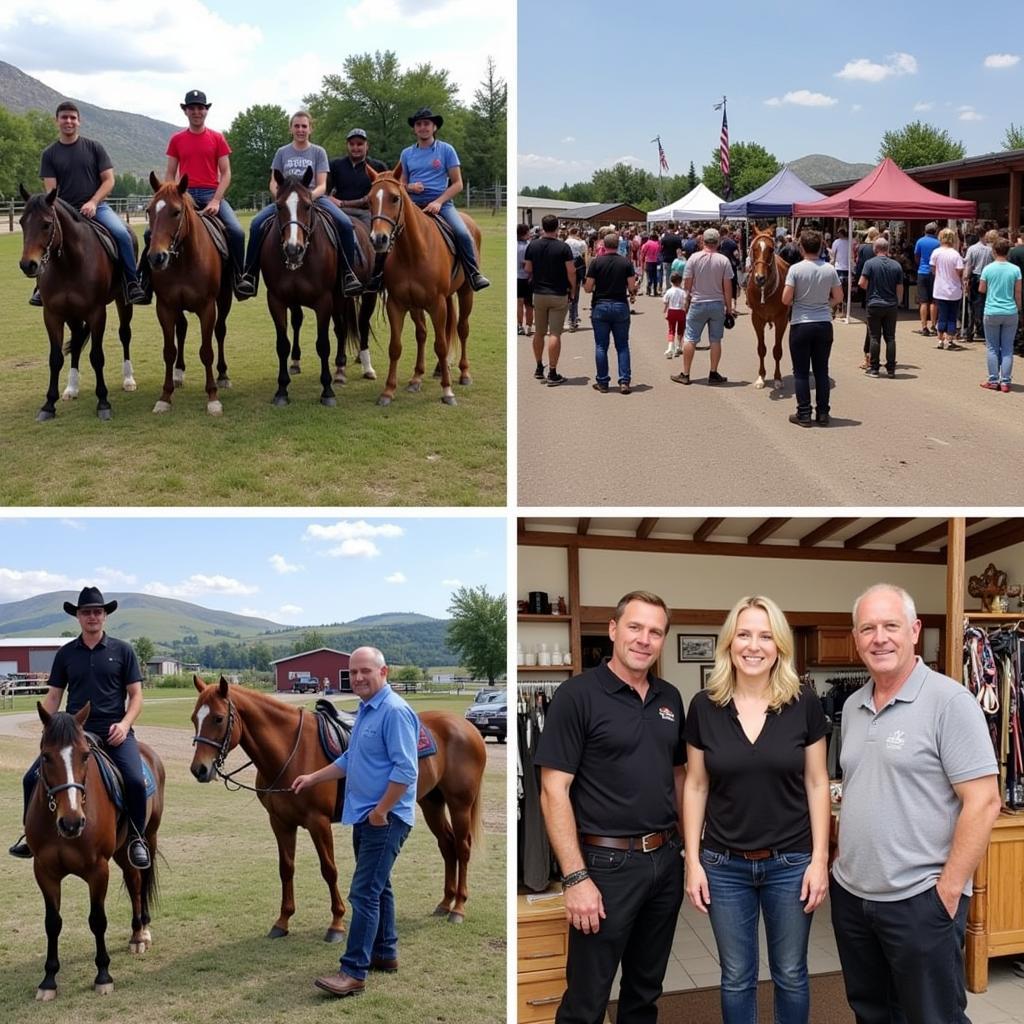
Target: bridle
56	232
294	263
397	225
767	248
52	791
223	746
174	249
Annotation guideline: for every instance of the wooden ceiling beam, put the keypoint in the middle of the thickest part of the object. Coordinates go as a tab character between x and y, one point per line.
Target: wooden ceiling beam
766	529
707	528
643	531
582	526
995	538
874	531
823	532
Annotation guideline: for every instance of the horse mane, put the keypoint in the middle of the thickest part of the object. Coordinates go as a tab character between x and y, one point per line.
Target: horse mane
62	730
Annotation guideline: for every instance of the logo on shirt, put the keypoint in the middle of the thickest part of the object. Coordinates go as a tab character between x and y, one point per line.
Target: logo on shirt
896	740
666	714
436	163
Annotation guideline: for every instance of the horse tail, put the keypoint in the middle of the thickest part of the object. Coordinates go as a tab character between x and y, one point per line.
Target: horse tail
350	325
150	884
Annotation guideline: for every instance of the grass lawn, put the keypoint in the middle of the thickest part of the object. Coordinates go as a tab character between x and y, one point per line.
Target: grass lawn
415	452
210	962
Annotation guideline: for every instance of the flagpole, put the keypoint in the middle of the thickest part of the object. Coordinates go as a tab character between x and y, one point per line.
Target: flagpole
661	159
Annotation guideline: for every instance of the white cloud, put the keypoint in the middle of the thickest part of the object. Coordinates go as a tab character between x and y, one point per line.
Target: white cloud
17	584
803	98
970	114
569	138
283	614
199	585
920	107
73	524
864	70
412	12
856	106
355	547
629	159
1001	60
108	577
453	584
396	577
282	565
347	530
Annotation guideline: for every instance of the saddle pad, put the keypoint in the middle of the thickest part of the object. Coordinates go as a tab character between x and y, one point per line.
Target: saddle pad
446	233
111	774
426	745
216	231
105	237
332	731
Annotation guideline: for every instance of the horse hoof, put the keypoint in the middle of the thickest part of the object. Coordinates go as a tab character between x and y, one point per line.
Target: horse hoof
369	375
277	933
162	406
340	379
104	989
334	935
46	995
280	400
384	400
759	383
329	400
44	415
105	413
67	395
215	408
147	937
449	400
454	918
466	380
777	385
179	379
414	386
129	384
295	369
224	382
441	910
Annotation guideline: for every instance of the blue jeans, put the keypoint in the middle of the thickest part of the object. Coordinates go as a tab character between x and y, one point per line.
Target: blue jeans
949	314
372	931
999	334
122	237
236	236
345	233
611	319
463	239
740	889
700	313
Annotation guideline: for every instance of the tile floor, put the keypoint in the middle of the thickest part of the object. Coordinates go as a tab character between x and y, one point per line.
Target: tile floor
694	964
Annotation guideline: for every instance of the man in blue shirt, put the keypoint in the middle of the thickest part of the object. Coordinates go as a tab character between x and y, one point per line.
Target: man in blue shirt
380	767
926	245
433	177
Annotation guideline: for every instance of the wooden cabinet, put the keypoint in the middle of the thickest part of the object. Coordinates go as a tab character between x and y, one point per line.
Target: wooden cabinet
542	944
830	645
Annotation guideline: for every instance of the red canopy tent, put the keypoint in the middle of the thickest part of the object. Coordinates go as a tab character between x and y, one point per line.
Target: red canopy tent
889	193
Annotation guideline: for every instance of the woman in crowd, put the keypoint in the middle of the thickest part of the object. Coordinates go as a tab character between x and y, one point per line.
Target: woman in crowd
1001	285
524	288
947	265
756	810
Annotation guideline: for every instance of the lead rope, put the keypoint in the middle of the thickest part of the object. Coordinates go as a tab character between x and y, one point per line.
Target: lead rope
230	781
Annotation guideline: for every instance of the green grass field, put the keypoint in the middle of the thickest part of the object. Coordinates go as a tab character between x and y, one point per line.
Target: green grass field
210	962
415	452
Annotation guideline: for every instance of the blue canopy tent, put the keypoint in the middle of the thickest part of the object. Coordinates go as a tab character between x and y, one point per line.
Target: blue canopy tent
775	198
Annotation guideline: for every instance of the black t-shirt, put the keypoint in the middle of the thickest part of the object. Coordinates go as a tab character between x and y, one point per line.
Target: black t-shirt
622	752
351	182
883	275
549	257
730	249
77	168
100	675
756	795
611	272
689	247
791	253
669	244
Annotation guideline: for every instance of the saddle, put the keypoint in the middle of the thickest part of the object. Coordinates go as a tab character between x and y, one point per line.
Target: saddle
105	237
217	234
446	233
327	224
113	781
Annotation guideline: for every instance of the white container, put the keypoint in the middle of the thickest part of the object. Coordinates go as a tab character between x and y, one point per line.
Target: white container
531	659
520	657
567	660
544	656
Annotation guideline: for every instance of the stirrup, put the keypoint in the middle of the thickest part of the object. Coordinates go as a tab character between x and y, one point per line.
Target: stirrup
20	849
133	847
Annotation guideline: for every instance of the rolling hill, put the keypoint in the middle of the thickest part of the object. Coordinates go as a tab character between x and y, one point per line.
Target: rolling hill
819	169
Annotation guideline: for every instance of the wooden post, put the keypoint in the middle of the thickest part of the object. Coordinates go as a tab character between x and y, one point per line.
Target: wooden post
1014	212
576	625
955	551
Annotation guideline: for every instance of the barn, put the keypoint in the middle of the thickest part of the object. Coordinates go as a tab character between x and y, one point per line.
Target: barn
30	654
321	663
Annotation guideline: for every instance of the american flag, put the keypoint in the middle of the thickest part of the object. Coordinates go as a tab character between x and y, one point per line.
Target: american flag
723	145
662	162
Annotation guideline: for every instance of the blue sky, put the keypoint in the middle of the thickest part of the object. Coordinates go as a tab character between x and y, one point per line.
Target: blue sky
143	57
292	570
597	80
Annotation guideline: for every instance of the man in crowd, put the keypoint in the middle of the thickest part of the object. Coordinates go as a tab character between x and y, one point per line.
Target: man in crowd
549	262
83	175
976	259
349	183
97	670
611	279
923	249
380	768
882	280
671	241
613	762
920	796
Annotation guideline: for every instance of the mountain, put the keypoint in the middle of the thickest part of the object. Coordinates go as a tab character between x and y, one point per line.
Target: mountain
136	144
819	169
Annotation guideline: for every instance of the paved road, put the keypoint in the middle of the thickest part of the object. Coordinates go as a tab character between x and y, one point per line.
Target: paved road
928	437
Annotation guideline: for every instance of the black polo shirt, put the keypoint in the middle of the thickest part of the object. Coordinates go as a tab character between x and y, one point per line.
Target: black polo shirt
611	273
670	242
101	675
349	180
621	751
756	795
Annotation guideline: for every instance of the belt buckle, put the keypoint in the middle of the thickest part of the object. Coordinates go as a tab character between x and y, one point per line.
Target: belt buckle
652	836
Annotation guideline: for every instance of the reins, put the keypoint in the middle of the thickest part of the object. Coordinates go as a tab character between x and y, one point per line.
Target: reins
769	263
307	233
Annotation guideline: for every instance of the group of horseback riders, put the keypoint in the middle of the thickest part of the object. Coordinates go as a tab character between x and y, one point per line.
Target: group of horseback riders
82	172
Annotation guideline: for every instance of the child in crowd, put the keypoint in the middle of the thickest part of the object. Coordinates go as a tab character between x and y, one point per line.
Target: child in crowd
673	300
678	264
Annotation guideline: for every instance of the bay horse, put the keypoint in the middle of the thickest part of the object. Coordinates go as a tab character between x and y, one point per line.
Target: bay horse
282	742
72	796
188	274
420	274
77	280
764	296
363	315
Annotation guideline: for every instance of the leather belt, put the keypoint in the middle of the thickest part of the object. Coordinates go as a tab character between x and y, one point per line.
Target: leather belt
646	844
745	854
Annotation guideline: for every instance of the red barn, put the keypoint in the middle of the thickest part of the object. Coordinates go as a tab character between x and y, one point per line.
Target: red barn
322	663
20	655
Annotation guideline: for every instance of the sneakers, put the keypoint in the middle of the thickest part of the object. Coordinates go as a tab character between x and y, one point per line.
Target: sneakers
680	378
519	329
598	386
822	419
625	389
554	379
668	351
1005	388
890	372
872	372
539	372
714	377
953	346
990	385
932	332
800	421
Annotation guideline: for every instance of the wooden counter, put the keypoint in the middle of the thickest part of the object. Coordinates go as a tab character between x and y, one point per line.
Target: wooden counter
543	940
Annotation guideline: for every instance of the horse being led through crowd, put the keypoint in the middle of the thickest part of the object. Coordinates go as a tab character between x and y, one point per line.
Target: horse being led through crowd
764	296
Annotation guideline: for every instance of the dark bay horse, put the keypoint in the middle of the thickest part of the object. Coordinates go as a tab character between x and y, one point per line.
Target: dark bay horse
77	280
420	274
282	742
188	276
764	296
72	828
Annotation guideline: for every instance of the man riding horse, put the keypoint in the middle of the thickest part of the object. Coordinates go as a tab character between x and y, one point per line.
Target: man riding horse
82	172
350	185
293	159
432	177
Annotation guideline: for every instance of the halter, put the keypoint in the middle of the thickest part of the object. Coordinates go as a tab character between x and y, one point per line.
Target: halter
770	265
307	232
174	249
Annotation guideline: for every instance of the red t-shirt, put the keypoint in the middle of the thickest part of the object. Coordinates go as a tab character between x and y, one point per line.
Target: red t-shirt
197	154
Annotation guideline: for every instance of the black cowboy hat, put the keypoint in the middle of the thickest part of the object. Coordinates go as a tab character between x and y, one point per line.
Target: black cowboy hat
90	597
426	114
194	98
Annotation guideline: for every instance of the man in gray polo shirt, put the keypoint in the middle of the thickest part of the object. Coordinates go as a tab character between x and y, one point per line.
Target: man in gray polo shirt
920	796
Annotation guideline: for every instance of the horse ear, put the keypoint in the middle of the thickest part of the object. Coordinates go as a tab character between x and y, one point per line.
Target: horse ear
21	190
154	181
44	715
370	172
222	687
397	170
198	683
183	185
51	197
81	717
307	177
278	177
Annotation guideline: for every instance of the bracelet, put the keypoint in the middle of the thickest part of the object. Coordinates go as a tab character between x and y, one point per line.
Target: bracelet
574	878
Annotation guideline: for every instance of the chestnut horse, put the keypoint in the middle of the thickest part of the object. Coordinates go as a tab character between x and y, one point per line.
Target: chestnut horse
71	795
282	742
420	274
76	279
188	275
764	296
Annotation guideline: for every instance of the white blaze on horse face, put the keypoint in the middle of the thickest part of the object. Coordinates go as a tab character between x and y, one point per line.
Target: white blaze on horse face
380	202
65	755
200	718
292	202
160	204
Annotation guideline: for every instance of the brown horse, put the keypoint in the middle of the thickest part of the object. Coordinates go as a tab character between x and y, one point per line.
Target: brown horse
76	281
764	296
282	742
188	275
71	795
420	274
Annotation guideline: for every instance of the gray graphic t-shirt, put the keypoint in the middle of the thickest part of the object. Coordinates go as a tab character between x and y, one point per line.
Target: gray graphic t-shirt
289	160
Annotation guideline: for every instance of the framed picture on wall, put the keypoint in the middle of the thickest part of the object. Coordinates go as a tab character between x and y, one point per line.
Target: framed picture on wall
705	675
697	646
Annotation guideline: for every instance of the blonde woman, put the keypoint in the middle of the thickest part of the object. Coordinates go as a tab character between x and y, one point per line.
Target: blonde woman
948	289
756	810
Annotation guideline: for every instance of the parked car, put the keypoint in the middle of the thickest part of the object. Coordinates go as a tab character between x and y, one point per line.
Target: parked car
306	685
487	694
491	717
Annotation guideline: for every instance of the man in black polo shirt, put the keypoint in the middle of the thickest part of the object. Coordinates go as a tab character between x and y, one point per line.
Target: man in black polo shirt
549	264
349	183
670	242
612	759
610	278
98	670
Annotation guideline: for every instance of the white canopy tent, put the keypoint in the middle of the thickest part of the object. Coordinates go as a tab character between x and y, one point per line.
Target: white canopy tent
698	204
